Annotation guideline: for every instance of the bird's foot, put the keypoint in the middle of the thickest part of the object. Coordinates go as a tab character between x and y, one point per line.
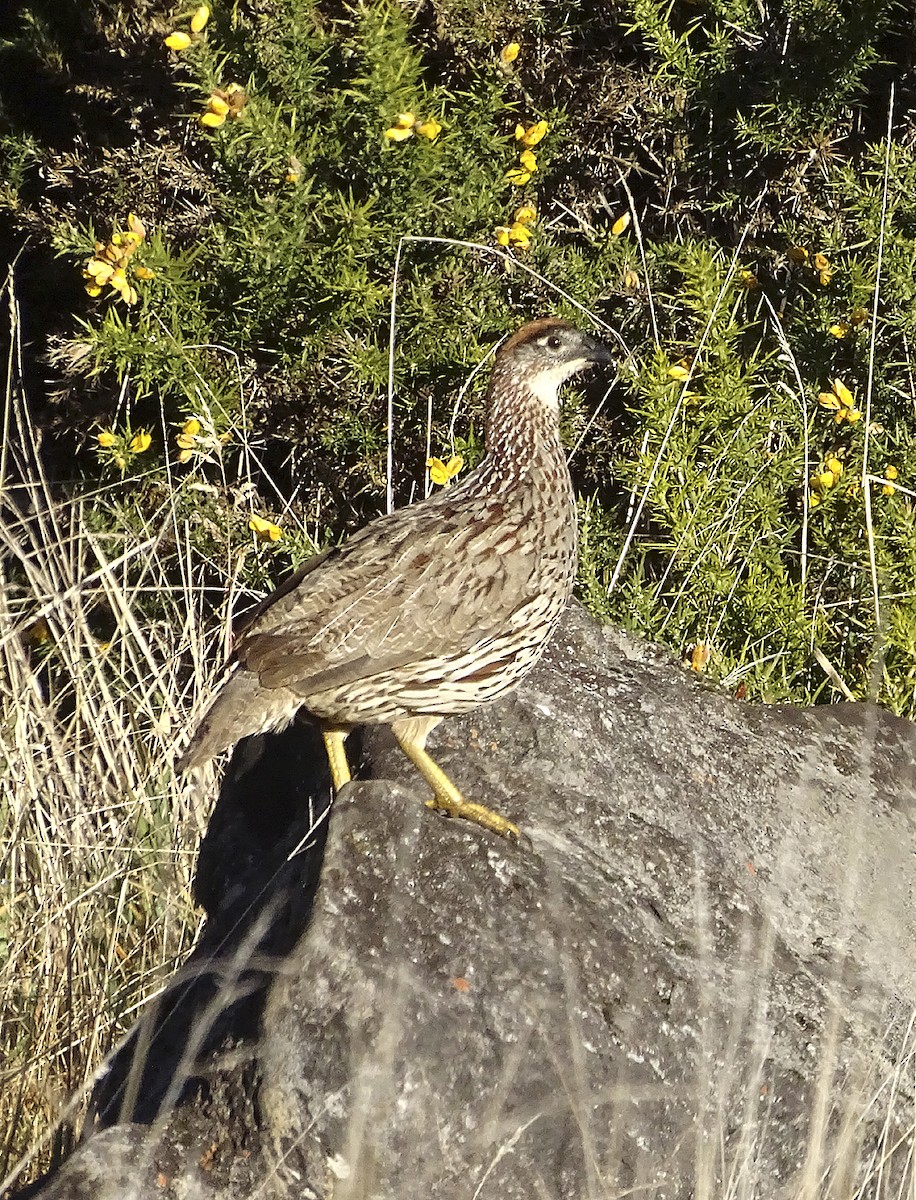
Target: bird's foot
478	813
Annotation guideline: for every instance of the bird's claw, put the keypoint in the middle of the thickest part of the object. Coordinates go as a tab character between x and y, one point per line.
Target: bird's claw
479	814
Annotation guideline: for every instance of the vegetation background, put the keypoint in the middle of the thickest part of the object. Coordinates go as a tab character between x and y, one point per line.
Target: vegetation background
251	271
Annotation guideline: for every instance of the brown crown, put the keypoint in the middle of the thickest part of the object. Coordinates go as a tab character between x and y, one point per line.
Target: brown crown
534	329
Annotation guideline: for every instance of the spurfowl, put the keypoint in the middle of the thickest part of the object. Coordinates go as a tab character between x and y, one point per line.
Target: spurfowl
432	609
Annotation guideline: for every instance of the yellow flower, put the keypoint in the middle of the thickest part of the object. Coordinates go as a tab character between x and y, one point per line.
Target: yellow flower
144	273
622	223
840	402
840	329
266	530
630	280
509	53
430	129
821	262
680	371
823	481
834	465
222	104
200	18
442	472
526	215
501	233
843	393
237	97
517	177
888	489
140	441
700	656
813	499
106	438
891	472
98	270
519	235
533	134
398	134
405	120
798	254
749	281
178	41
191	427
825	277
528	161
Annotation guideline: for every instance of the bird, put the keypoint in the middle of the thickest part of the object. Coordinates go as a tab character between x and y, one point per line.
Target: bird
435	608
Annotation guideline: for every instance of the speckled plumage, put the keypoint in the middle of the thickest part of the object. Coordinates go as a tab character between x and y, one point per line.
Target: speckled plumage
437	607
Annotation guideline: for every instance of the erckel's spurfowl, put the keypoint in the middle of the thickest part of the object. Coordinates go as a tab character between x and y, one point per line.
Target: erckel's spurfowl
435	608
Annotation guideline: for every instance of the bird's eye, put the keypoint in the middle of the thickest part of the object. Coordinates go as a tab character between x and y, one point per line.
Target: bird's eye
553	342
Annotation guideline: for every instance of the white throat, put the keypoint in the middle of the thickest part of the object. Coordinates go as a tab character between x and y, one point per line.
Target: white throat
545	385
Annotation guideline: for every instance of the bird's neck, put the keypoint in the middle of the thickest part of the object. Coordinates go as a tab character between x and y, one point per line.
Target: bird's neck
522	427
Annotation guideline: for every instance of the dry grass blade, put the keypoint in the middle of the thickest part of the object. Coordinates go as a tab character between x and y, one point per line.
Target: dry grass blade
98	836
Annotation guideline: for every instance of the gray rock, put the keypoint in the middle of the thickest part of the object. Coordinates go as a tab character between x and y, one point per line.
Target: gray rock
696	977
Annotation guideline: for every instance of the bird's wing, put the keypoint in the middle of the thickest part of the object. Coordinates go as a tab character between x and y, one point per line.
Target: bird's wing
412	587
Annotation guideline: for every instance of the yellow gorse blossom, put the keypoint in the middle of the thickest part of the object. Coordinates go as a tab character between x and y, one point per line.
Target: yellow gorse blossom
406	124
889	473
620	225
441	473
517	176
200	18
825	478
700	656
843	329
223	104
528	161
841	402
266	530
187	439
178	40
518	234
119	449
531	135
109	263
509	53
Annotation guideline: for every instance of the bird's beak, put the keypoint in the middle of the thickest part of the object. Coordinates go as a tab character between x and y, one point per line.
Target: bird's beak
597	351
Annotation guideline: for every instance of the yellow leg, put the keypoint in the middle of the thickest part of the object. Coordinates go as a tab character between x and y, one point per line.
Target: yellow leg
447	797
337	756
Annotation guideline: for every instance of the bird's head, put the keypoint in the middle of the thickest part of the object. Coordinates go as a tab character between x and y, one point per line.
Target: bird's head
544	354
